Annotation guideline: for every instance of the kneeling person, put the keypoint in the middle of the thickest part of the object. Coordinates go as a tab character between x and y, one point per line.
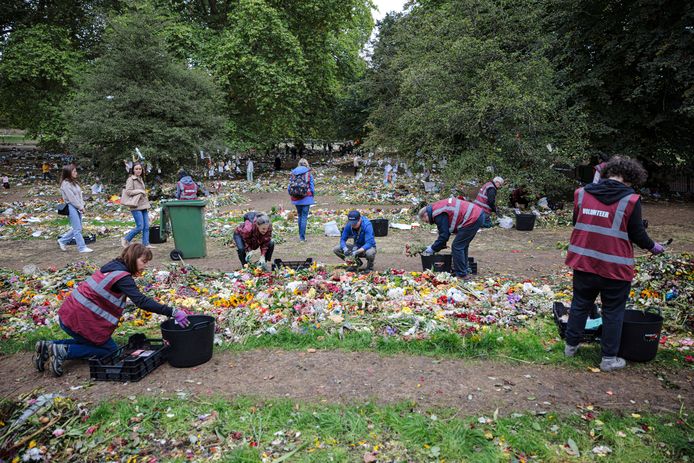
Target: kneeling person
358	228
454	215
255	233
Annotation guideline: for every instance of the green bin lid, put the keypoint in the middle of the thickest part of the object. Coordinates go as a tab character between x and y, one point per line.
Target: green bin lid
184	203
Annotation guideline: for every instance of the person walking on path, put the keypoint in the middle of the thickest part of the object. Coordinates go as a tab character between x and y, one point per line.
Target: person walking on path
486	199
249	170
387	173
137	194
459	217
255	233
302	190
91	313
72	196
607	219
356	164
360	230
46	170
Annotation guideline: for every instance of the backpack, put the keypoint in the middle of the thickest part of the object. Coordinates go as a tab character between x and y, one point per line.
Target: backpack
299	185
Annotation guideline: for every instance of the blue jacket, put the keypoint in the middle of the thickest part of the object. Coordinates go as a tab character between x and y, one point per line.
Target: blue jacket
363	238
308	199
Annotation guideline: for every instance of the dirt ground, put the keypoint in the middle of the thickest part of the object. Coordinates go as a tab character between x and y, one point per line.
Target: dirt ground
514	253
473	387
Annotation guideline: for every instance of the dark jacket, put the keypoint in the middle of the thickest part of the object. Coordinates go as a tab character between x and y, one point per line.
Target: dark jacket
127	286
611	191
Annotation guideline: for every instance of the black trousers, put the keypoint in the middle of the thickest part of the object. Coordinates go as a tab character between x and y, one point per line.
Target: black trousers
241	249
613	294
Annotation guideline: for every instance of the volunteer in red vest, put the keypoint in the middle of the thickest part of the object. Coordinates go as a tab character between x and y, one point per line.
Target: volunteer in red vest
186	188
607	219
456	216
255	234
486	199
302	191
90	314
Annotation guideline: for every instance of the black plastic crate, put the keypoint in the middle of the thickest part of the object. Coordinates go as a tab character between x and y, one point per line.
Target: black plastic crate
293	264
559	310
380	227
132	362
91	238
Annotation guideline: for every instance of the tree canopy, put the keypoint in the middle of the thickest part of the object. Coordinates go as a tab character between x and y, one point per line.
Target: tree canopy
137	95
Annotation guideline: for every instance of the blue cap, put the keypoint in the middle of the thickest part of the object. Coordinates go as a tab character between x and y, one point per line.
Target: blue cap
353	217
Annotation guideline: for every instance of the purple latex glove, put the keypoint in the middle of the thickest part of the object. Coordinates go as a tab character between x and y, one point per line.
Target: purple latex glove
657	248
181	318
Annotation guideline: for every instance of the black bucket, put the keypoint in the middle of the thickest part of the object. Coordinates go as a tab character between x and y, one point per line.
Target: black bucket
640	335
155	236
189	346
525	222
437	262
380	227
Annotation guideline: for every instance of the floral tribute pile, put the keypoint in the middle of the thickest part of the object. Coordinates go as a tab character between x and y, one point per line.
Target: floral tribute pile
250	302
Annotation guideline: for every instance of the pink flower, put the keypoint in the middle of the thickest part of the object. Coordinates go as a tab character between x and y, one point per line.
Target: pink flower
58	432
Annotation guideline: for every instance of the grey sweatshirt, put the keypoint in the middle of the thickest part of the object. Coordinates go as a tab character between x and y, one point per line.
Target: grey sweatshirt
72	194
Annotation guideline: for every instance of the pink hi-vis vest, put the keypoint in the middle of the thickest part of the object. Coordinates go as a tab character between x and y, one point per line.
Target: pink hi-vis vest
461	213
188	190
93	310
600	242
482	200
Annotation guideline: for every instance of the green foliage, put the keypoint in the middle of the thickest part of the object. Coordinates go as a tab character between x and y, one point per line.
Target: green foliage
38	68
629	64
136	94
258	63
469	81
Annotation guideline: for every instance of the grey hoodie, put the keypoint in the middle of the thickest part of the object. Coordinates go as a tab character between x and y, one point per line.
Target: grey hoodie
72	194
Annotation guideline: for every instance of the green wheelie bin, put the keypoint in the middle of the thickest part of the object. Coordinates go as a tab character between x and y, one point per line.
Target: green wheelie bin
186	220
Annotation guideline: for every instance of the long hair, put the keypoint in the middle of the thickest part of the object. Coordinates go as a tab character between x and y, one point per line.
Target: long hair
67	174
132	169
133	252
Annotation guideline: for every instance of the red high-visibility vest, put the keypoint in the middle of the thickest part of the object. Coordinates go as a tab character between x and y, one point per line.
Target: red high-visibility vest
93	310
482	200
600	242
461	213
600	167
188	190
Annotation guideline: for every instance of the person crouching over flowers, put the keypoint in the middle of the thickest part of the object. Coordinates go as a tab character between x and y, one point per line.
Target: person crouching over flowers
91	313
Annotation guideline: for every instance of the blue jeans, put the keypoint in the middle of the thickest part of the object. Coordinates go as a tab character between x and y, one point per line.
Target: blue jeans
302	212
461	245
487	220
76	232
80	348
141	225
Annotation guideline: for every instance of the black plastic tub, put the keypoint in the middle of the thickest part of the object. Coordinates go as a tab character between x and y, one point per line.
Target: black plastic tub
190	346
88	239
155	236
380	227
559	310
640	335
525	222
437	262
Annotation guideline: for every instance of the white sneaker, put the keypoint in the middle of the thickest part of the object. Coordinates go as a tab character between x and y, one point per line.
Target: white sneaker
62	246
85	250
124	242
149	246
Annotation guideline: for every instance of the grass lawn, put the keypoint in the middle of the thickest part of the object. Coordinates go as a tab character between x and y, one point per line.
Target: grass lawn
183	428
